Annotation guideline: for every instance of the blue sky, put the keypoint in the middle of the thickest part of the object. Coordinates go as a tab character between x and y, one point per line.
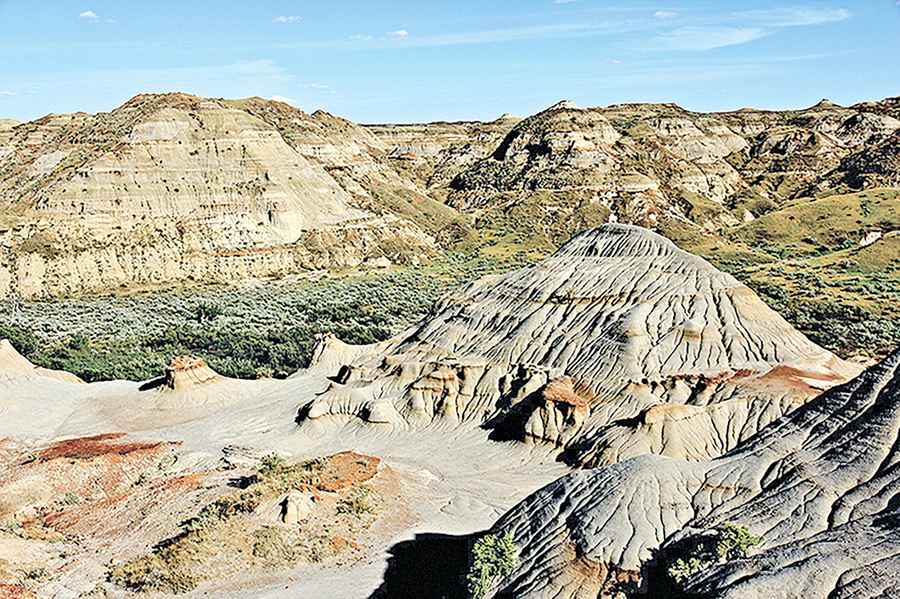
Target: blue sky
401	61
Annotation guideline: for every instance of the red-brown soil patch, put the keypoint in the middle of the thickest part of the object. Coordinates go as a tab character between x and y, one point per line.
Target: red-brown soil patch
346	469
94	446
14	591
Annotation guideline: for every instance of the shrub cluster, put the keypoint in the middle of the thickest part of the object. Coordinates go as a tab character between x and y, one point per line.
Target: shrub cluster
493	558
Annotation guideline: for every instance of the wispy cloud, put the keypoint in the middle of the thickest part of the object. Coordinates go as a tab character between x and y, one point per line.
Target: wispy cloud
665	14
88	15
400	34
287	19
708	38
7	93
564	1
362	37
732	29
507	35
794	17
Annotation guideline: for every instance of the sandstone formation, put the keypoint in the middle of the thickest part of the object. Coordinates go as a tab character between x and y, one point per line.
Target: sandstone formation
645	161
819	485
618	344
172	187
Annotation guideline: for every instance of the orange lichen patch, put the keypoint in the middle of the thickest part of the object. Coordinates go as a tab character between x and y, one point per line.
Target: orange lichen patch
801	380
15	591
94	446
346	469
188	482
598	576
186	363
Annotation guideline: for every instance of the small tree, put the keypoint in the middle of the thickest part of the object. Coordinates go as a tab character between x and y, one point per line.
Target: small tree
205	312
493	558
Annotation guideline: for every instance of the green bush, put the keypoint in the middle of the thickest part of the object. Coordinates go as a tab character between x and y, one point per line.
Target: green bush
726	542
493	558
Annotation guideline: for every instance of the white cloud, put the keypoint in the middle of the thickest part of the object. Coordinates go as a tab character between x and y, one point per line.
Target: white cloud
794	17
614	61
88	14
507	35
708	38
742	27
665	14
361	37
7	94
400	34
564	1
285	19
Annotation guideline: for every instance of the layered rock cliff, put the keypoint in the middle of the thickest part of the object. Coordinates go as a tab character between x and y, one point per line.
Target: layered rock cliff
169	188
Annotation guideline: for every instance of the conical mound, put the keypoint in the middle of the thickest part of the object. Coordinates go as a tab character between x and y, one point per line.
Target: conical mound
186	372
631	319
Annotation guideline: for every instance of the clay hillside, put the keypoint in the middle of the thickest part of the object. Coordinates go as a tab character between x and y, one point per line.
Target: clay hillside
172	188
674	410
807	507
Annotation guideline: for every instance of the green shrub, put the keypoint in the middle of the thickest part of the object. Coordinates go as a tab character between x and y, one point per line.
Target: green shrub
493	558
726	542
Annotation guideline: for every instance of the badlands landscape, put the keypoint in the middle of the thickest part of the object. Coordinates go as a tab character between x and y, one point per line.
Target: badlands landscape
617	351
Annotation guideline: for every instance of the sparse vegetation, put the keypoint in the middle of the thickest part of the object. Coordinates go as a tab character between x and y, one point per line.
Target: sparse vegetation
493	558
804	259
359	502
263	331
725	543
172	565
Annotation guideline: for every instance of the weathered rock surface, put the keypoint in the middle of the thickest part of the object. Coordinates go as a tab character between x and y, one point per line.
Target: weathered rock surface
618	344
14	368
645	160
172	187
819	485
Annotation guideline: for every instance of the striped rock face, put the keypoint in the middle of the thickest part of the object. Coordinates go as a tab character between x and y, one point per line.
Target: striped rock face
820	487
172	187
660	352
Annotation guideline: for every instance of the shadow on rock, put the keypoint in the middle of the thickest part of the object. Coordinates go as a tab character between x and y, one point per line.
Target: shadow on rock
431	566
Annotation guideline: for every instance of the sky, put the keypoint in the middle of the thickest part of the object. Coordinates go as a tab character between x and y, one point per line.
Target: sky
413	61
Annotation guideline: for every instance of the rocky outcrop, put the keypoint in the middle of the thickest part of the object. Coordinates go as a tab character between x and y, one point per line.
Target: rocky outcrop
644	161
434	153
618	343
819	486
172	187
14	367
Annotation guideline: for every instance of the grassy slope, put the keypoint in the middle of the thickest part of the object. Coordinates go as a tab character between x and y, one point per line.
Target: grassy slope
804	259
